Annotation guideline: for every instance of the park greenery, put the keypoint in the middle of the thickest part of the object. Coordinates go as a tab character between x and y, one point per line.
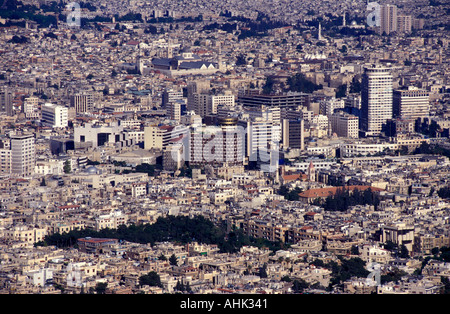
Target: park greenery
177	229
290	195
343	199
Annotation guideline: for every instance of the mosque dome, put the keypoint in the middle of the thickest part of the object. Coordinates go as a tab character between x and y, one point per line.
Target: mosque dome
92	170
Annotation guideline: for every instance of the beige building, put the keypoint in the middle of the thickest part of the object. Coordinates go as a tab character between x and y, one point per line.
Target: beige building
398	233
344	124
412	103
27	235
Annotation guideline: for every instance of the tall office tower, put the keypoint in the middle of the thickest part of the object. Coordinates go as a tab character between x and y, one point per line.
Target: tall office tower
388	19
201	104
344	124
169	96
404	23
23	155
6	101
262	139
293	134
194	88
412	103
54	115
376	99
83	102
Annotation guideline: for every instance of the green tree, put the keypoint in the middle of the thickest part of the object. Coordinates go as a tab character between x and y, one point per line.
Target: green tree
173	260
268	86
162	257
241	60
263	271
67	167
299	83
151	279
299	285
100	288
341	91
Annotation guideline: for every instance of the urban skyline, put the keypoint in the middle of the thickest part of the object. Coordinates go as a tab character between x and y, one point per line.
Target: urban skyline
225	147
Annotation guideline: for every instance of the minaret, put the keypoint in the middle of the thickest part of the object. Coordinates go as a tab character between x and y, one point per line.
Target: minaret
311	172
169	49
320	31
343	20
219	58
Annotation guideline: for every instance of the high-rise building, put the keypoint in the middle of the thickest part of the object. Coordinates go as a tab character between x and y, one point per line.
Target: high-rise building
271	114
329	105
6	101
54	115
174	110
404	23
30	107
23	155
293	134
376	99
412	103
160	136
388	19
5	160
284	101
262	139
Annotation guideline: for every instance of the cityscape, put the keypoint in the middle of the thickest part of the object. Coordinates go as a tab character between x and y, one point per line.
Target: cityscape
224	148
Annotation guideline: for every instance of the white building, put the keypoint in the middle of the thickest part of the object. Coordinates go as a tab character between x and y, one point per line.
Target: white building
54	115
101	134
376	99
365	149
206	104
328	106
412	103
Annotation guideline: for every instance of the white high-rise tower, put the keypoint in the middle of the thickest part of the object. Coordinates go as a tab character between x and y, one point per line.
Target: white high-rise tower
376	99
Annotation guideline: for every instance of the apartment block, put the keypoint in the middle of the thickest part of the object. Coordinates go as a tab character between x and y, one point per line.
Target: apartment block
23	155
412	103
344	124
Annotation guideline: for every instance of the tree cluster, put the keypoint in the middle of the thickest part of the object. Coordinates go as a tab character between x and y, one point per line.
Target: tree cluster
290	195
178	229
344	199
444	192
299	83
